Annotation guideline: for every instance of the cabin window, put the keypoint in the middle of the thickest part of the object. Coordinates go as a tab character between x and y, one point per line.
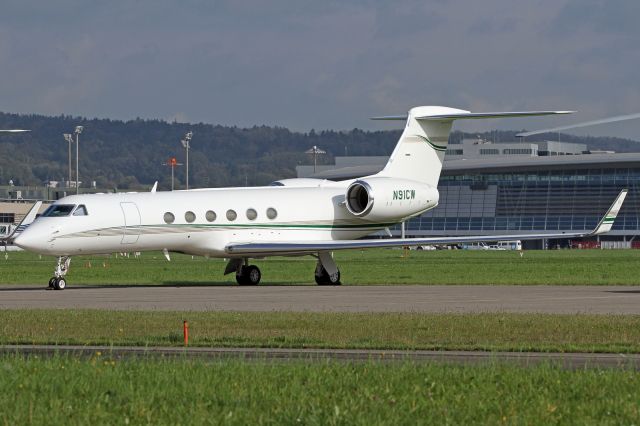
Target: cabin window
59	210
81	211
231	215
189	217
169	217
210	216
252	214
272	213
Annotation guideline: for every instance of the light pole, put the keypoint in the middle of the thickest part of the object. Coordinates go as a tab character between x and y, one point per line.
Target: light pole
172	162
186	143
77	132
69	138
315	151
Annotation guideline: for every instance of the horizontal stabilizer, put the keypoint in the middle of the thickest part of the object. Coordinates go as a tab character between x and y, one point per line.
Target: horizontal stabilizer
468	115
482	115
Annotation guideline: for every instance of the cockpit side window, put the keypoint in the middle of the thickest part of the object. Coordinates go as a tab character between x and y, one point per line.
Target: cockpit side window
59	210
81	211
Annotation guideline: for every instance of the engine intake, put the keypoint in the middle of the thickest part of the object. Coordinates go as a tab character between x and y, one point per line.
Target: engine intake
359	198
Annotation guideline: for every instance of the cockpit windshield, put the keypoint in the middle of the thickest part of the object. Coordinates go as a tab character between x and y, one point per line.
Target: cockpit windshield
59	210
80	211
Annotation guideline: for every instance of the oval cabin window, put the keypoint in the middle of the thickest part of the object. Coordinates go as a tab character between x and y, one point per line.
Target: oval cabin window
169	217
189	217
272	213
210	216
251	214
231	215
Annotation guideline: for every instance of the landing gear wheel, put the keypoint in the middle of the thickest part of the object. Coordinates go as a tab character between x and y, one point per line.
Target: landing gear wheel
249	275
52	282
60	283
323	278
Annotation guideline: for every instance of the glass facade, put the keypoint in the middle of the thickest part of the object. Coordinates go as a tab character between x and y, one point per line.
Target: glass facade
552	200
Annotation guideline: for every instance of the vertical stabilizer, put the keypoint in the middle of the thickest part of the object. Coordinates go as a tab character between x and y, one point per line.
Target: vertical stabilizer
420	151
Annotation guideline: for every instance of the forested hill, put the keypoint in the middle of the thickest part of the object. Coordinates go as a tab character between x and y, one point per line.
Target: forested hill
123	155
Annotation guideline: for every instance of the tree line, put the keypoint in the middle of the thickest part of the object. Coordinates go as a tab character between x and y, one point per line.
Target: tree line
130	154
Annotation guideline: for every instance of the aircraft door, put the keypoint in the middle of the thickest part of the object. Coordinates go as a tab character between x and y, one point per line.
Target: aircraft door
131	230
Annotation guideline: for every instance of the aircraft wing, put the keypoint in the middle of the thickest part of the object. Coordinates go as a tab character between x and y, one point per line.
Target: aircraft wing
303	247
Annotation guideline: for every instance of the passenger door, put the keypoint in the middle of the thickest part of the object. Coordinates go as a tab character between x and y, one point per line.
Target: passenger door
131	230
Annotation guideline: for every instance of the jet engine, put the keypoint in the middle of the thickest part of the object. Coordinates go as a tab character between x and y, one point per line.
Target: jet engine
384	198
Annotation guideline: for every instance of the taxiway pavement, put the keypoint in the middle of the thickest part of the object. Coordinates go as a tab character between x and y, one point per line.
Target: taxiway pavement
375	298
566	360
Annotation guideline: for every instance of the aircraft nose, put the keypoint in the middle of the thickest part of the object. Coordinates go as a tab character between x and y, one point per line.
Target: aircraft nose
29	241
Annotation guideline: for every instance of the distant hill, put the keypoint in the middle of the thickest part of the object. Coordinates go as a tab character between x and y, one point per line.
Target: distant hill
123	155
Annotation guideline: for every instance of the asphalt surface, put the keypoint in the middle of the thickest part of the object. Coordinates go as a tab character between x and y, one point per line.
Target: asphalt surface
565	360
396	298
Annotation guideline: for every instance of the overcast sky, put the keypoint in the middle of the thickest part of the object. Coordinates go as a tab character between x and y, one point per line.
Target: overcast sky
322	64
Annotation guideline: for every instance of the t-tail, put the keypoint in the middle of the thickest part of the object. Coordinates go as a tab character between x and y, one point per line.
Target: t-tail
419	154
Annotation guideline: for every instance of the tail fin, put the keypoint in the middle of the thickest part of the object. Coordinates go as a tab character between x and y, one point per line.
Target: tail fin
420	151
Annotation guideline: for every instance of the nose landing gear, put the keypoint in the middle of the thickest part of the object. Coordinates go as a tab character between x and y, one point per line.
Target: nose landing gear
58	281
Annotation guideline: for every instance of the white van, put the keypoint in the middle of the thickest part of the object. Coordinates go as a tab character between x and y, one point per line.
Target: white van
510	245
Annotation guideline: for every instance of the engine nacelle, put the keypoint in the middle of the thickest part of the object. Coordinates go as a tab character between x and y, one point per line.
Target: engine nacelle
385	198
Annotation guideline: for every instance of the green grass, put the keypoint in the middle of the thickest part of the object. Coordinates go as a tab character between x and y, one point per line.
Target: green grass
63	390
505	332
380	266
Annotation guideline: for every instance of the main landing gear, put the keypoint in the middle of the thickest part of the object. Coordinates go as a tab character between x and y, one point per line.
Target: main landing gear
245	274
326	273
248	275
58	281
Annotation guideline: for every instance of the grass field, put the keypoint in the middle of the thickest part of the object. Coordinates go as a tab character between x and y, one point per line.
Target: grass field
381	266
505	332
103	391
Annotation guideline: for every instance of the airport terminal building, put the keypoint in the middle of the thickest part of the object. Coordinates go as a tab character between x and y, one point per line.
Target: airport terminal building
519	188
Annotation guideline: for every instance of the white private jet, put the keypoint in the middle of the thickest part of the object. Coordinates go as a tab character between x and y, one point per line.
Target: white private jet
290	218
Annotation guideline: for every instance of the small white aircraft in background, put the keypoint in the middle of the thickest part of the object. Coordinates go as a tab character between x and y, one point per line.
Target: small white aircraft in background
289	218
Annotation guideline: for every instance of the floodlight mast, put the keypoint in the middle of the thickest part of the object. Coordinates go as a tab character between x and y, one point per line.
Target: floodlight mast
186	143
315	151
77	132
69	138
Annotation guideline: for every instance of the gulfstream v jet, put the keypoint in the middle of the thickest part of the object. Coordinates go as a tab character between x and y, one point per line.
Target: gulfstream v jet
294	217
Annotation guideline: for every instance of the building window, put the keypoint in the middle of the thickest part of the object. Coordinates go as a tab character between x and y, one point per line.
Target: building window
169	217
210	216
231	215
516	151
454	152
272	213
7	217
189	217
489	151
251	214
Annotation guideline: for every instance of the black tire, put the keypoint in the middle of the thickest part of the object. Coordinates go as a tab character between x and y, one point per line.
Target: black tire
249	275
60	284
52	282
241	279
325	279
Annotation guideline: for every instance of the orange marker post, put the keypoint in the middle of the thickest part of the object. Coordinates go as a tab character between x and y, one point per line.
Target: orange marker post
185	329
